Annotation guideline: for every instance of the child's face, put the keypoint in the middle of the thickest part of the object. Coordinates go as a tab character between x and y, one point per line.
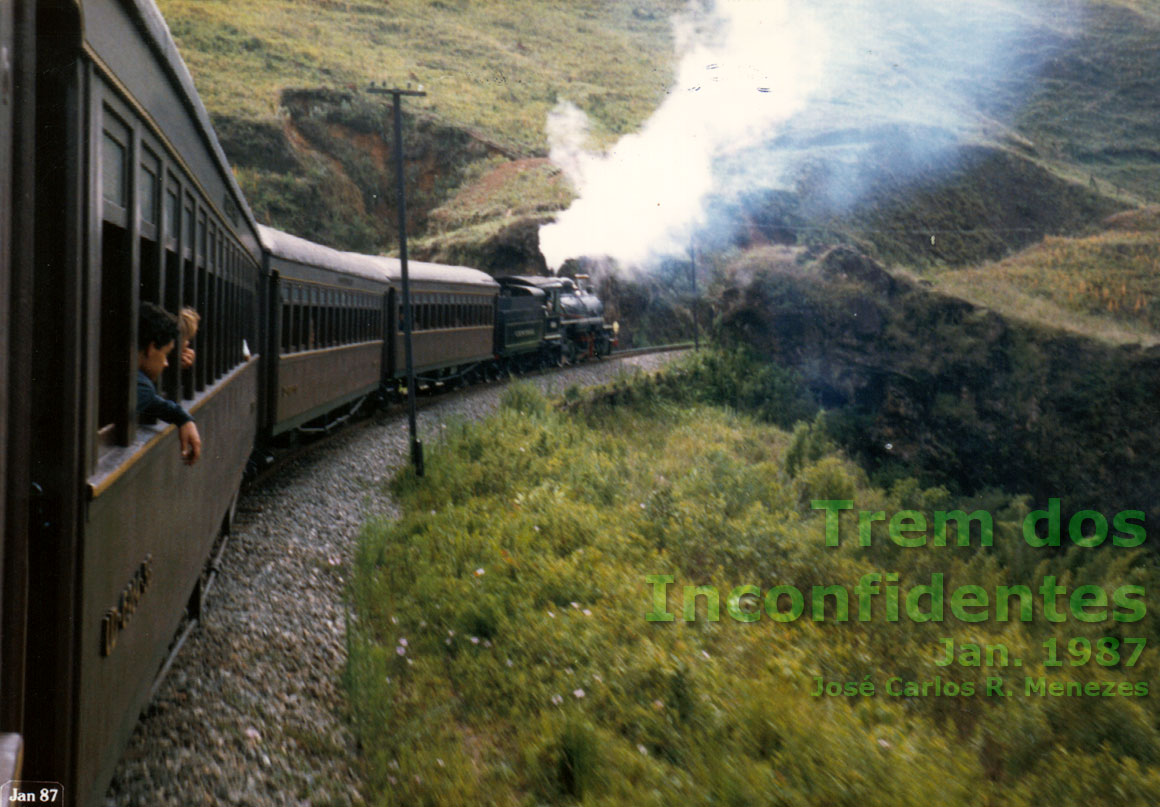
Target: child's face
153	360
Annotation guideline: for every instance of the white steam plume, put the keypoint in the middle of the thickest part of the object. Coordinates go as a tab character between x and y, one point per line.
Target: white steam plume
766	88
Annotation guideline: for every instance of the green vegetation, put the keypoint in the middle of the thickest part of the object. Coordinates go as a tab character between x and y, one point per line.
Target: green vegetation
1105	285
282	78
501	652
918	383
1093	112
493	67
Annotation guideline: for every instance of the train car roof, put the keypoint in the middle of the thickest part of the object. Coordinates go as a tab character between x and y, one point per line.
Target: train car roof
379	268
422	272
293	248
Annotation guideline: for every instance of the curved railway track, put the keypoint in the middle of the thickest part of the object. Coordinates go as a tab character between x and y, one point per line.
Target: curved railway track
252	711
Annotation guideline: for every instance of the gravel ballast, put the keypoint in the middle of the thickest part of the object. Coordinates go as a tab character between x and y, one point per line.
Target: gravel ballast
253	711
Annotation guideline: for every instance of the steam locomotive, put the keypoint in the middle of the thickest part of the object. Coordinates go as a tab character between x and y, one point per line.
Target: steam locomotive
114	191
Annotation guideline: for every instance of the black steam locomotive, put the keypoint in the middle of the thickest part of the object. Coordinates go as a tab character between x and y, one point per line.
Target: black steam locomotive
551	320
114	191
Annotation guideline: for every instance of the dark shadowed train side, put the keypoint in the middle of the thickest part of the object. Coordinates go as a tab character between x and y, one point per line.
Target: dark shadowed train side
114	192
121	195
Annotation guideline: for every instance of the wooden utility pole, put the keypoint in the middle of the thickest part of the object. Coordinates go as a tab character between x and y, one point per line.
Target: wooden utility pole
396	95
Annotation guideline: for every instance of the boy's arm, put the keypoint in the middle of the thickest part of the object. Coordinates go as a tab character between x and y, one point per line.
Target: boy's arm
152	405
190	442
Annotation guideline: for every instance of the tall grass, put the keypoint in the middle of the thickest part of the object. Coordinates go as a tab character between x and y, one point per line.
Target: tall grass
496	67
1106	284
501	653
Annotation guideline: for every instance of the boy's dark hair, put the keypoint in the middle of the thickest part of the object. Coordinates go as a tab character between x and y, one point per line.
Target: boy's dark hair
155	326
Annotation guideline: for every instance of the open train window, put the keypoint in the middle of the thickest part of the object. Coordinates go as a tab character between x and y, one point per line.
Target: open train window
114	419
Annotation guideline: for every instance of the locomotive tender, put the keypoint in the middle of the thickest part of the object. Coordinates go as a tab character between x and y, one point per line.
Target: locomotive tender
114	191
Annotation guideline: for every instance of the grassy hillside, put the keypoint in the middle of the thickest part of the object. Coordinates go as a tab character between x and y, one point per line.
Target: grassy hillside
1106	284
921	383
285	79
494	70
1096	105
502	653
493	67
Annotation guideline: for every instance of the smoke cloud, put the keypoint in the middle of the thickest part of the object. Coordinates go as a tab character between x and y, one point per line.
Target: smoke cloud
769	91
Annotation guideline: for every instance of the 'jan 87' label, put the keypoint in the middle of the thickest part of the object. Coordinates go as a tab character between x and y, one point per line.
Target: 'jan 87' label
16	791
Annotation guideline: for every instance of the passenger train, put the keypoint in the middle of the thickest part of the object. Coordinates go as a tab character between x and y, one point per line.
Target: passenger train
115	191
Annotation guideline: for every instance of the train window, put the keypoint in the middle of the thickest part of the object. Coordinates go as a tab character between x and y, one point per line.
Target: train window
304	316
148	197
285	291
231	322
201	239
239	319
323	315
149	286
202	288
115	161
189	296
296	324
115	370
149	186
331	312
331	318
113	166
172	303
312	320
172	214
187	238
291	319
222	325
207	239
